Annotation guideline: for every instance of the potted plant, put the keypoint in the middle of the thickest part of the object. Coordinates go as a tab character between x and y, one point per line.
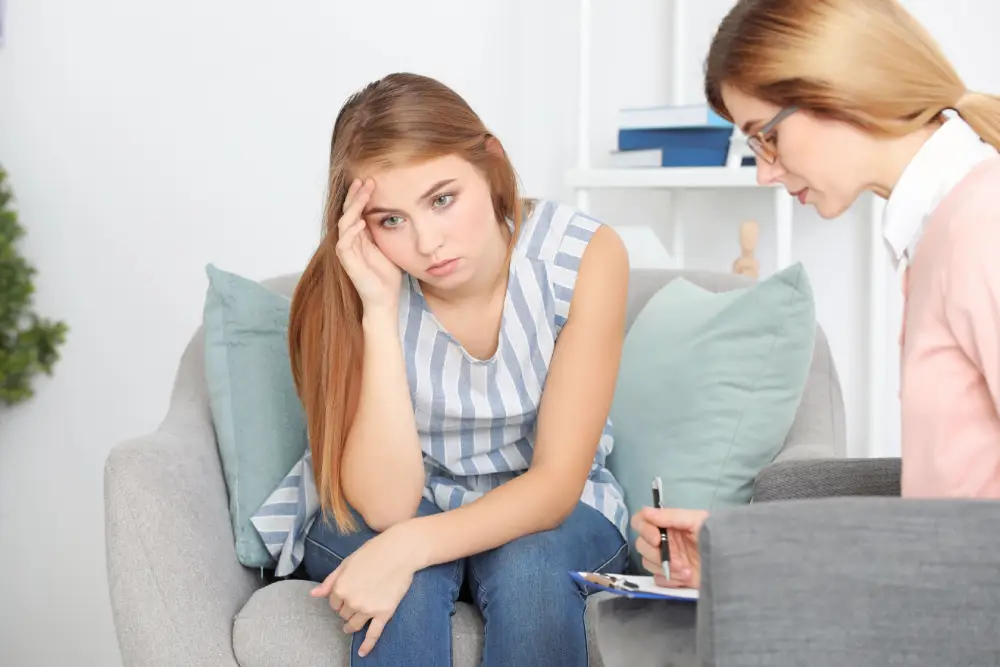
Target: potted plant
29	344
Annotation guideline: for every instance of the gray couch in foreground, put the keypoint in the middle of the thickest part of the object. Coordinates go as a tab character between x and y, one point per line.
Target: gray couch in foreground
181	599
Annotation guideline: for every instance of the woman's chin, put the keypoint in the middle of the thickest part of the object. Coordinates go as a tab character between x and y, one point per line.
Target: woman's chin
828	210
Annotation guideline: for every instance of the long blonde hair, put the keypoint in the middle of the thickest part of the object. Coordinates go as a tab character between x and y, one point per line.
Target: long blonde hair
399	119
865	62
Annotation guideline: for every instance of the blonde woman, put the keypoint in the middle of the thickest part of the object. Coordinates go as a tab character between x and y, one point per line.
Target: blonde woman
839	97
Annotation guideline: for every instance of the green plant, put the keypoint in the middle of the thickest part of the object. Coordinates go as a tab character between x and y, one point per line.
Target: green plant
29	344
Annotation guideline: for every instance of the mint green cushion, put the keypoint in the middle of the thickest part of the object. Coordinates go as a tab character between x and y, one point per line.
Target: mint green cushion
708	389
259	420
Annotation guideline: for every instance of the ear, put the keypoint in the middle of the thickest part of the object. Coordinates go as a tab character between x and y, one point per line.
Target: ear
494	146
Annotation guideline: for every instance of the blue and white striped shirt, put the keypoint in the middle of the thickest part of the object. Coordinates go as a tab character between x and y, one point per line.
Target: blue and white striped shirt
475	418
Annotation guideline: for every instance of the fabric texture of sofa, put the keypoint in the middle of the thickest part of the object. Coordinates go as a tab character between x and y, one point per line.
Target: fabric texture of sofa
180	597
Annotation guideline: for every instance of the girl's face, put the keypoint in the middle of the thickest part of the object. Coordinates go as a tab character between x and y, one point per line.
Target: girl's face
825	163
435	220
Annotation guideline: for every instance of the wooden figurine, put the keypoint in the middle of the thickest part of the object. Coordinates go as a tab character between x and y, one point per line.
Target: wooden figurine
746	264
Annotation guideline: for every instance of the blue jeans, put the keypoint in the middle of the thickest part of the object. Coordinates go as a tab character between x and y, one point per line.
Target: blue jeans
533	610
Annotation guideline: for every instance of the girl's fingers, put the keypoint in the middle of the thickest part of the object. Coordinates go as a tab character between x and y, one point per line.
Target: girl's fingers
355	623
346	611
357	204
349	235
349	196
374	632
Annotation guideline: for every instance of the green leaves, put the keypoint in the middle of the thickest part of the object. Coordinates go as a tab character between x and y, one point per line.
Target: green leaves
29	344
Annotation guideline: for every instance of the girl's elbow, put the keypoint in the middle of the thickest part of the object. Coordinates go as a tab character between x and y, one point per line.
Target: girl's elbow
382	515
560	509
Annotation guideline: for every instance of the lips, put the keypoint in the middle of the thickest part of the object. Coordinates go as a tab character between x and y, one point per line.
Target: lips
444	268
801	195
440	265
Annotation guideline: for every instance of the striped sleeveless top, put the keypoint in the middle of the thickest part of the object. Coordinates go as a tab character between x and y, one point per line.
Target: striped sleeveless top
475	418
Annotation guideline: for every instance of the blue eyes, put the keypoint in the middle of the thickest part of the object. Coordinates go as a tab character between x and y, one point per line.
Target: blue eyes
439	202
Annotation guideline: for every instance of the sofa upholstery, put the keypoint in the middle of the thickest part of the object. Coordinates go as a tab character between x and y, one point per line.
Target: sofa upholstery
179	596
861	578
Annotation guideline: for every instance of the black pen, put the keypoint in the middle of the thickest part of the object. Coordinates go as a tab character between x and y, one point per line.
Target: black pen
664	542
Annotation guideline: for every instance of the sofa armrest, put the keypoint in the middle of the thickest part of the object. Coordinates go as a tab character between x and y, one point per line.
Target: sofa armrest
851	581
824	478
174	579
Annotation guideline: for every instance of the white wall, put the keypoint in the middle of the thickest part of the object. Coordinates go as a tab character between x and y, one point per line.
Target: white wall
144	140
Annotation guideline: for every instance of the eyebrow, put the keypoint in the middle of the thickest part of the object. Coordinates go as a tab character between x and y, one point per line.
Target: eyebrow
751	125
430	191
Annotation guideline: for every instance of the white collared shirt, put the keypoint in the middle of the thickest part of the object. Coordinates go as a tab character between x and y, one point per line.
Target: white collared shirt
940	164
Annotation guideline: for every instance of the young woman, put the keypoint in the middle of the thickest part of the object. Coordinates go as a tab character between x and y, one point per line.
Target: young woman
456	351
843	96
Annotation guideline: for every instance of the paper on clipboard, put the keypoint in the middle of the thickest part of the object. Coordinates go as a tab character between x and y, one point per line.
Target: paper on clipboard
632	586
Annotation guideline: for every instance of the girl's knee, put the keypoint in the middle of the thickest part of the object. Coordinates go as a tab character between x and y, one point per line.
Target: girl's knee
534	593
434	588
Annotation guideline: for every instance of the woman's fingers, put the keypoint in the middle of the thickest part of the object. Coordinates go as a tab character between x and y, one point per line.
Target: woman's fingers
677	519
647	550
651	566
650	534
684	548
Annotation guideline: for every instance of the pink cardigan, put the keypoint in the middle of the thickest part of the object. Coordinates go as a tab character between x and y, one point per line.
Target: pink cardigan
950	364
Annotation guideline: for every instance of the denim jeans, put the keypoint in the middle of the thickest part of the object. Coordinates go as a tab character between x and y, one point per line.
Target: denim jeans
533	610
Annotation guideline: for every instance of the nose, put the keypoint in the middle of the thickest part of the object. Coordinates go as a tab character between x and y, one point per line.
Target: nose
768	174
429	236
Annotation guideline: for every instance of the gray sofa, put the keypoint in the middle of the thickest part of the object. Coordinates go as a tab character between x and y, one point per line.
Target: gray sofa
180	598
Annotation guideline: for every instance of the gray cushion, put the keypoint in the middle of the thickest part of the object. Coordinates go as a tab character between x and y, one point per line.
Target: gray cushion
281	625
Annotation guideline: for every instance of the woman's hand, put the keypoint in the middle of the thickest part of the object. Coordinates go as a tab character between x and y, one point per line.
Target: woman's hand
682	532
369	584
374	276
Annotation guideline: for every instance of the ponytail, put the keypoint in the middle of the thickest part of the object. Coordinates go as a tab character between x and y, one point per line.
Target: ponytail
982	112
325	341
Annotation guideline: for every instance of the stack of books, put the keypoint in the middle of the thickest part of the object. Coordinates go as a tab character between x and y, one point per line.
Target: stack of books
678	136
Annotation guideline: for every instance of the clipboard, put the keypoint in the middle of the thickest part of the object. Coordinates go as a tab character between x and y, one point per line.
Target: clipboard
630	586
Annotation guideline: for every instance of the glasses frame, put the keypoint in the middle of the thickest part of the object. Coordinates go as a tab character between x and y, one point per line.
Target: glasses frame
759	142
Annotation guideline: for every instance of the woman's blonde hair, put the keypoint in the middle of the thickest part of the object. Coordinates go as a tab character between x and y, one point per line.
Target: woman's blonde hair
400	119
865	62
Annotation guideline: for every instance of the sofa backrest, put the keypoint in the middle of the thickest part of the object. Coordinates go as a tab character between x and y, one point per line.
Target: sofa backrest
819	427
643	284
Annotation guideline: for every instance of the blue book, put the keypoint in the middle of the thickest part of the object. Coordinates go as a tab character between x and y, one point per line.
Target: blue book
711	138
689	147
647	158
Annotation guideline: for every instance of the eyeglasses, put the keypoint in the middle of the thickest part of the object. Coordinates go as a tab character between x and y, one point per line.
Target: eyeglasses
760	142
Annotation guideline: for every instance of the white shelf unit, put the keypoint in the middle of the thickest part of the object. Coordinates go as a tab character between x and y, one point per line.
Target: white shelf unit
585	177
